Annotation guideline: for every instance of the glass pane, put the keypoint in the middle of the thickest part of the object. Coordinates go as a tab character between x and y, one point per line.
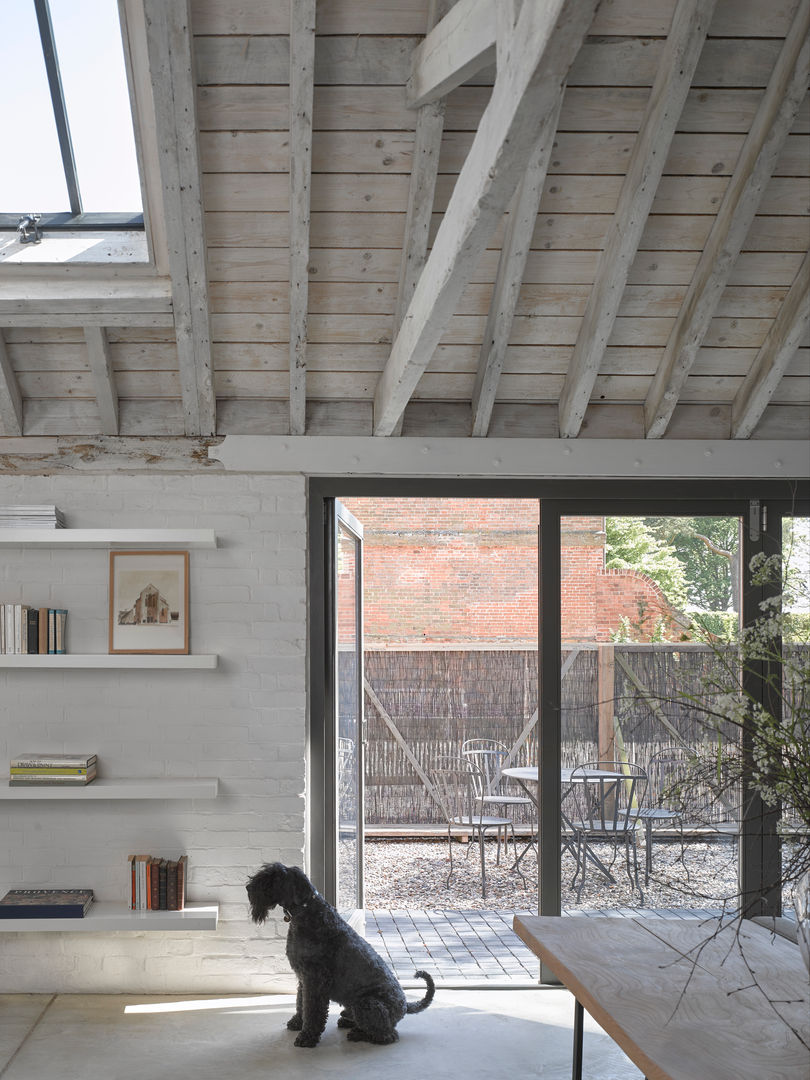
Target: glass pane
795	696
349	715
651	820
31	179
91	59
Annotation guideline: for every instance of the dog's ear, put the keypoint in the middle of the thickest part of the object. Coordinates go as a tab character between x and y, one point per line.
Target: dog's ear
298	886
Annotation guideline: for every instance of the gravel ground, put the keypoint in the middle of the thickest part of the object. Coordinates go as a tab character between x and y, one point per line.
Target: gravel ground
413	875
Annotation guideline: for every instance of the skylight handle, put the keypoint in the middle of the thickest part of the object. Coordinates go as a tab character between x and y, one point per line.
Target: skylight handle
28	228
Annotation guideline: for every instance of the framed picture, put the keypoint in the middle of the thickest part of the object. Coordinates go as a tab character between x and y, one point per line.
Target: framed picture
148	601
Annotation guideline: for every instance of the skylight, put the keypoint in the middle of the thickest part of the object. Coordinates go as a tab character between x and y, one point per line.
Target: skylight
66	121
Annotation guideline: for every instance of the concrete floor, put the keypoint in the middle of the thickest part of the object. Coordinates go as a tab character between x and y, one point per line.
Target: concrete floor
464	1035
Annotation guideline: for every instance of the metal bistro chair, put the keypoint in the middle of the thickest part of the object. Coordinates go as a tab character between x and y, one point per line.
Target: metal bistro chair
672	780
607	797
491	756
456	783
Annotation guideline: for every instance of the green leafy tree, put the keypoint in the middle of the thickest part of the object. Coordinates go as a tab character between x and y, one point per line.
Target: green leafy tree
708	549
632	545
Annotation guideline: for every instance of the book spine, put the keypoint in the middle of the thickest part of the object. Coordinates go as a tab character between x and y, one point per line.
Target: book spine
132	883
58	761
162	885
49	770
182	875
171	885
2	628
32	630
42	644
51	630
154	884
61	621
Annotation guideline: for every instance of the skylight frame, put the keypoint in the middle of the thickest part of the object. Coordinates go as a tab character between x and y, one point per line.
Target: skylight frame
75	220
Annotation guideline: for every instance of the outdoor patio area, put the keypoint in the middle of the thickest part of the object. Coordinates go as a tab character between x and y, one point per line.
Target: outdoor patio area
416	921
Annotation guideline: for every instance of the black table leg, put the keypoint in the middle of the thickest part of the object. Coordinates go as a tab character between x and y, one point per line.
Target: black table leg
576	1071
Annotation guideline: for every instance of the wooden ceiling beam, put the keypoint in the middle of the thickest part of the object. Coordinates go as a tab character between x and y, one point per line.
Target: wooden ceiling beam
168	31
462	43
542	46
427	146
687	33
101	370
770	363
302	92
758	157
511	266
11	408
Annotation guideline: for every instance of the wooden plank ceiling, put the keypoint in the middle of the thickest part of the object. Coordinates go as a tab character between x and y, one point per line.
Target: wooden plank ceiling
475	219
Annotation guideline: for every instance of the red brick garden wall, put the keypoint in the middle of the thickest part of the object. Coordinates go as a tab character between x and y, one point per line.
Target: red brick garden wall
464	572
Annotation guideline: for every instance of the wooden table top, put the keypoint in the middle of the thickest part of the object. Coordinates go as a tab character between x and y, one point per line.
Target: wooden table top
684	999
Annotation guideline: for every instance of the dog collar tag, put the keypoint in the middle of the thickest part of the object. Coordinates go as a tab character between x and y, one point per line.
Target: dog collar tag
287	916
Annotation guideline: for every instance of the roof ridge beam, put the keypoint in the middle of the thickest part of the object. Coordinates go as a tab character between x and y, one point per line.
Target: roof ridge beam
777	350
684	44
541	49
760	152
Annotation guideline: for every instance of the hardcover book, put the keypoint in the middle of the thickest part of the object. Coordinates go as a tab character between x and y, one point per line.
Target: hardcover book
45	903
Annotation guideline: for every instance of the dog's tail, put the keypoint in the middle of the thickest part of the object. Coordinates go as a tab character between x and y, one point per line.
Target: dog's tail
418	1006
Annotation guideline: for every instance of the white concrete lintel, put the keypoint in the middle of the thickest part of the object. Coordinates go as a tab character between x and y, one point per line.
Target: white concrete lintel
313	455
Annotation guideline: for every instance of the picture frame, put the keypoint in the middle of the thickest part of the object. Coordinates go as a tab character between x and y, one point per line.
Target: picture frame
148	602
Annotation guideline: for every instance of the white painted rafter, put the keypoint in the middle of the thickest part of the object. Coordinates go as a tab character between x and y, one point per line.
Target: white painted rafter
168	30
776	352
302	90
758	157
462	43
690	23
101	370
541	49
511	267
11	408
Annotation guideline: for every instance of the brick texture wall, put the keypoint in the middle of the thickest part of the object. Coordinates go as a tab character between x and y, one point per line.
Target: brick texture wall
243	722
464	571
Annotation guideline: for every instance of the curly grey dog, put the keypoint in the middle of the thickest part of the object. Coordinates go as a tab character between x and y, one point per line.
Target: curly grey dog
332	962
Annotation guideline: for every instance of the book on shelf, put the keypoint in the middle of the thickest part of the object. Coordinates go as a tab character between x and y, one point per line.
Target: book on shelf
157	884
45	903
31	517
53	761
67	770
27	630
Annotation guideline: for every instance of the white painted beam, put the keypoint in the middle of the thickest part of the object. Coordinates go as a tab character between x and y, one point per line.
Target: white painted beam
168	29
778	349
540	52
11	409
427	146
511	266
539	458
302	89
101	370
687	33
458	46
760	151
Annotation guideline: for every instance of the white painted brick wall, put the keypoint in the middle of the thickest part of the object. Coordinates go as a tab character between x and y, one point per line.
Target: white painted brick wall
244	722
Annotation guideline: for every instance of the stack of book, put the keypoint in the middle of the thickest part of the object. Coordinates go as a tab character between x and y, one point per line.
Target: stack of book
26	630
157	884
64	770
31	517
46	903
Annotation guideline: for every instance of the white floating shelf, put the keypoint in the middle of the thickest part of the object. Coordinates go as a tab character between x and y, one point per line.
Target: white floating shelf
105	917
128	787
110	538
110	660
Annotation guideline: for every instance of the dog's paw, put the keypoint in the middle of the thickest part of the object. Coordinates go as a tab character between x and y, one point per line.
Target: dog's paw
345	1022
356	1035
306	1039
295	1023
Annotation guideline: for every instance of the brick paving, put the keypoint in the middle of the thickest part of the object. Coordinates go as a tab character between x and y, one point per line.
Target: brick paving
475	946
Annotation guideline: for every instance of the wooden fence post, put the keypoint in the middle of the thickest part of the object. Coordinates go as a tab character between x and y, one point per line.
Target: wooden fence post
605	697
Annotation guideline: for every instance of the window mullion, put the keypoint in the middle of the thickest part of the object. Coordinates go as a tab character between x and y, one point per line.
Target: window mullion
58	101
